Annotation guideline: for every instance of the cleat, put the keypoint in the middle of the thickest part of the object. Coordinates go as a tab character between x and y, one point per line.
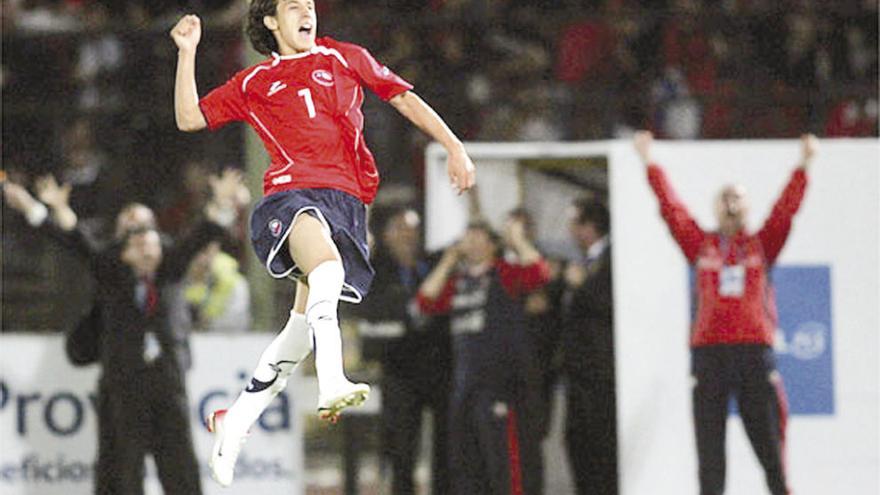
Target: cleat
330	405
227	446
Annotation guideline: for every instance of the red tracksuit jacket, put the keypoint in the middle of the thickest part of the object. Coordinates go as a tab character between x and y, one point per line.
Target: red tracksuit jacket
735	303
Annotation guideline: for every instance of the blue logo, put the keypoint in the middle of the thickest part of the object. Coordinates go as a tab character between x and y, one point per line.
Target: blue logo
804	343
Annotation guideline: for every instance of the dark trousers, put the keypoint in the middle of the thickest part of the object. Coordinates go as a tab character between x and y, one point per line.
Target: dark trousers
591	434
404	398
748	373
153	419
494	446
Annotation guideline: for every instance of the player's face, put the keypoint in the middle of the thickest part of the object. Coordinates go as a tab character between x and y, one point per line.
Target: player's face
295	25
731	208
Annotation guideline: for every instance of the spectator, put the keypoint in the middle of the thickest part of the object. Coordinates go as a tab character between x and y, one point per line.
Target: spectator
679	115
588	354
414	351
542	316
216	294
133	277
851	118
735	319
494	442
97	188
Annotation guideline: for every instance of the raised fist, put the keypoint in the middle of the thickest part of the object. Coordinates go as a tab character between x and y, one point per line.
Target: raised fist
187	32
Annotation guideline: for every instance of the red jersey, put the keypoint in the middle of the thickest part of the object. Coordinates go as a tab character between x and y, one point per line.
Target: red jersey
517	281
307	110
735	303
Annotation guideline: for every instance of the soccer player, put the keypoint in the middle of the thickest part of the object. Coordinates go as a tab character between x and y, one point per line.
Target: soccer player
305	104
735	319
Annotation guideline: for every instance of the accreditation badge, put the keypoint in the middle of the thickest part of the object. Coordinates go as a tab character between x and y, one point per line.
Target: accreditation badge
732	281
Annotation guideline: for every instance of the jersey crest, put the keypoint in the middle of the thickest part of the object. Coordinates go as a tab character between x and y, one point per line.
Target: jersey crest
323	77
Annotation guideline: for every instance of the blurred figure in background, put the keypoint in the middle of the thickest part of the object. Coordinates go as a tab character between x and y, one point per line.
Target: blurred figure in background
542	314
97	187
216	294
735	318
588	353
495	438
414	350
130	331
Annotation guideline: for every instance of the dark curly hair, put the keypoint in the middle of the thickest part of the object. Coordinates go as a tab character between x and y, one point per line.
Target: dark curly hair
261	37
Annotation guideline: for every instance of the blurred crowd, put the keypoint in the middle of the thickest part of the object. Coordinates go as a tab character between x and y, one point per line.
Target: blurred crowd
87	89
497	70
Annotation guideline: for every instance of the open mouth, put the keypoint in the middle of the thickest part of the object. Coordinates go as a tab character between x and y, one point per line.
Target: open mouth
306	28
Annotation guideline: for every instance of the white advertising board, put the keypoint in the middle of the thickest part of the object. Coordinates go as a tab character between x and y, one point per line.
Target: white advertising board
48	420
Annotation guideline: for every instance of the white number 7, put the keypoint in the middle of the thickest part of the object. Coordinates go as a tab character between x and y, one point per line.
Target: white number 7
306	94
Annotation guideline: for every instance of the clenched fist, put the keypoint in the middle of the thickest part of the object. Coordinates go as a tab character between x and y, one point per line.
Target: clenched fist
187	32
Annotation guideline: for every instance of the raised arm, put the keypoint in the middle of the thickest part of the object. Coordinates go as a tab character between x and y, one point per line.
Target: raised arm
776	228
19	199
63	226
186	34
435	293
459	166
682	225
58	199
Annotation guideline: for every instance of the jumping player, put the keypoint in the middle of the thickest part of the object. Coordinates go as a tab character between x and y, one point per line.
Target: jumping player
305	104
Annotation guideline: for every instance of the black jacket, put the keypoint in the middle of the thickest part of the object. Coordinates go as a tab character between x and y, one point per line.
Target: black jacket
588	323
115	330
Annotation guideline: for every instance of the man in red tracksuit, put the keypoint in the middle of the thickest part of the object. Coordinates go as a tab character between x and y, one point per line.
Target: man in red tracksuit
735	319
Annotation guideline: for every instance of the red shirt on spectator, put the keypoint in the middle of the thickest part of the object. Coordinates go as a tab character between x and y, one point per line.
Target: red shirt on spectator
306	108
584	51
517	280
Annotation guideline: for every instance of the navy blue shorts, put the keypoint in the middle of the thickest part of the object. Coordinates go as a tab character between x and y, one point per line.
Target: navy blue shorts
341	213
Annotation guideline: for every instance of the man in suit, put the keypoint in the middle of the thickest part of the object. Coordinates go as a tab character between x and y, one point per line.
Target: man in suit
142	400
588	353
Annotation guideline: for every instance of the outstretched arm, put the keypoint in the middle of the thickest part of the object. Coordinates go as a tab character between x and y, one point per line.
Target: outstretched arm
684	228
459	165
186	34
775	230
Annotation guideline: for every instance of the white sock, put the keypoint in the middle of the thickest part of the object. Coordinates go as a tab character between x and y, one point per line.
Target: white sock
325	285
291	347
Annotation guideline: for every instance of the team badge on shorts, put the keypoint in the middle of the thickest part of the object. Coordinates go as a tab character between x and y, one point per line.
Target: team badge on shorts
275	227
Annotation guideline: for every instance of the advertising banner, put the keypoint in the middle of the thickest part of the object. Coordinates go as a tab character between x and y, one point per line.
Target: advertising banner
48	419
